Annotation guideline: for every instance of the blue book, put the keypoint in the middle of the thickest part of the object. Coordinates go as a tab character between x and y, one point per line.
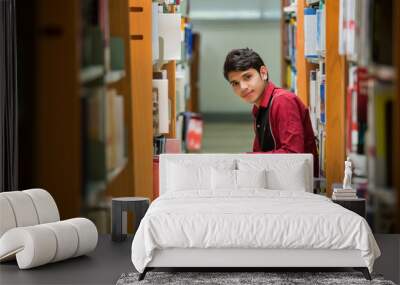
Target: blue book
322	101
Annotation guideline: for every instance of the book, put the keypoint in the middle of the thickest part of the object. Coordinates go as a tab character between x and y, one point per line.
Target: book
156	123
310	32
344	198
158	145
344	195
322	95
341	190
115	130
94	135
313	99
347	28
321	26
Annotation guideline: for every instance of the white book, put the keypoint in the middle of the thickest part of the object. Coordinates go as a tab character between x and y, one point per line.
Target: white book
364	37
313	99
341	194
355	198
163	104
344	194
321	30
154	38
341	190
169	30
310	32
351	25
180	92
318	96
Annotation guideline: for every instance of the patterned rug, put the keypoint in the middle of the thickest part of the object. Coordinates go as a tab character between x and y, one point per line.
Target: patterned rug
229	278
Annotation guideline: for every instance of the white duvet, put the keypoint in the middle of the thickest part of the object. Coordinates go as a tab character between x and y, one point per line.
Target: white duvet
252	218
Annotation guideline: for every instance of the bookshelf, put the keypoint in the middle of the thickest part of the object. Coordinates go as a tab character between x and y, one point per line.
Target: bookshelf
371	130
174	72
100	81
120	180
137	177
288	43
335	99
297	67
171	76
144	62
302	65
74	127
56	141
141	119
361	99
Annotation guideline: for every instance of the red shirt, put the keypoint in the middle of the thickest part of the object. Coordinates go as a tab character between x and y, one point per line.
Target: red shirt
290	124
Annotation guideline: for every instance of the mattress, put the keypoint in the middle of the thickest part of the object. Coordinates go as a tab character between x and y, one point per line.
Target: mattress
251	219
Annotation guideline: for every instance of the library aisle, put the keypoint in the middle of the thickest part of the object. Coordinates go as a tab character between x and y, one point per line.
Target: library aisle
224	137
342	59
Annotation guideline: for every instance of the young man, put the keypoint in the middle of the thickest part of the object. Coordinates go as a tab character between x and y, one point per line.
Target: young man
281	121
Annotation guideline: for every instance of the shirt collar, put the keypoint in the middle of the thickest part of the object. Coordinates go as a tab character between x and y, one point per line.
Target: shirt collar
265	97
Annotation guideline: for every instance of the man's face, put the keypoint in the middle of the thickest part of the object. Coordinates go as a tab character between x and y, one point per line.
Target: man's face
249	84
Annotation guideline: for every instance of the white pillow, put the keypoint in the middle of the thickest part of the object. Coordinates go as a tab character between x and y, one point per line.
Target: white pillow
182	177
282	174
291	178
251	178
223	179
187	174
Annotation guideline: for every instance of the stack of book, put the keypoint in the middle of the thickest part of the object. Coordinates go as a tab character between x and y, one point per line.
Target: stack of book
344	194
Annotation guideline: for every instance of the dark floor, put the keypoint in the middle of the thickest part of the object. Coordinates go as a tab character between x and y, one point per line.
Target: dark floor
111	259
103	266
389	262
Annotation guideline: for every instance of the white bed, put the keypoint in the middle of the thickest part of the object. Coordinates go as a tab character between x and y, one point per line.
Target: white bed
247	210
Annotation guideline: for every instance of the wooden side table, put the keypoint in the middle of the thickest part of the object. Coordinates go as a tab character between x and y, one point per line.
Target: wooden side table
355	205
137	205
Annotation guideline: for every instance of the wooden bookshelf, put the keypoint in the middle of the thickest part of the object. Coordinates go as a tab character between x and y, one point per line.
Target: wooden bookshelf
303	67
140	48
284	44
335	86
59	162
171	76
286	60
335	99
121	185
141	100
57	154
59	150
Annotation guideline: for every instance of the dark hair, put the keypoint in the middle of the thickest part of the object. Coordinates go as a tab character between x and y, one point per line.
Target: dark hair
241	60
